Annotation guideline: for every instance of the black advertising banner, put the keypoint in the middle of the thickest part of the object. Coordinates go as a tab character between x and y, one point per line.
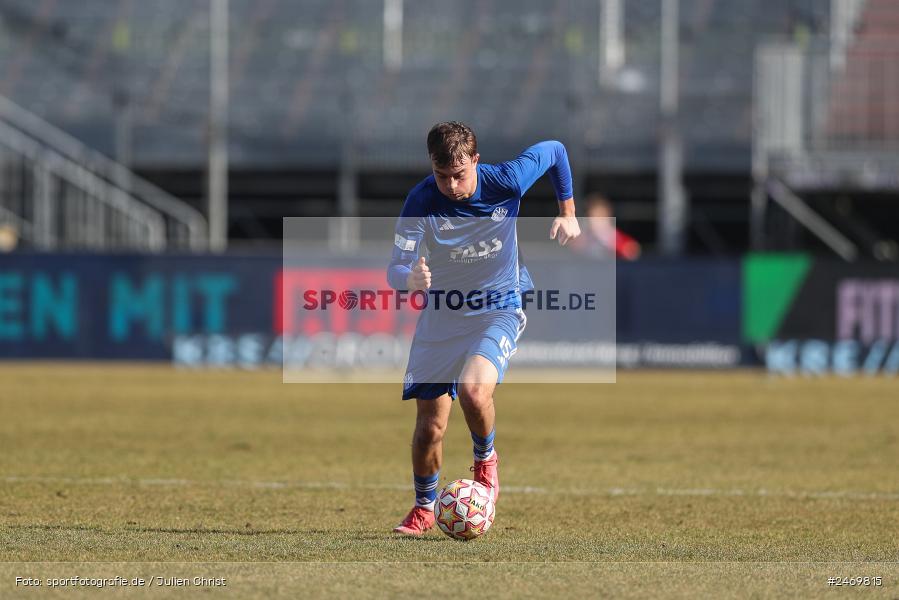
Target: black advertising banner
822	316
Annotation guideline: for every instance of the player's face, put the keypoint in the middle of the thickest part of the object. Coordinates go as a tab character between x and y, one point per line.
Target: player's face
458	181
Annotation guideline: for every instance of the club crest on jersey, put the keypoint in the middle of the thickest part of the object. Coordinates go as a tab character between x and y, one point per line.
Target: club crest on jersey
499	213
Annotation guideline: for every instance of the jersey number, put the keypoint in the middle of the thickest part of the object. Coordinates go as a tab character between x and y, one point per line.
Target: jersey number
506	347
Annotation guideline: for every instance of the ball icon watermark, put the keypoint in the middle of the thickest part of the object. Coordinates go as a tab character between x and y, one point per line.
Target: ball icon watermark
348	300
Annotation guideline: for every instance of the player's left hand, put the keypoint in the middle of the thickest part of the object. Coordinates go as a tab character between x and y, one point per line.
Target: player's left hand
564	229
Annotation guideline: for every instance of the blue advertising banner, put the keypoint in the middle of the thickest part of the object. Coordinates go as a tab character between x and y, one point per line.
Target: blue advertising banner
224	309
127	306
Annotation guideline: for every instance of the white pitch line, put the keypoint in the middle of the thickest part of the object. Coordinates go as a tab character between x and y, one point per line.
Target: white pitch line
555	491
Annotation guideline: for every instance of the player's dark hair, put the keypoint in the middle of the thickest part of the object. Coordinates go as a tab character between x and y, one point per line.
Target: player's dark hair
451	142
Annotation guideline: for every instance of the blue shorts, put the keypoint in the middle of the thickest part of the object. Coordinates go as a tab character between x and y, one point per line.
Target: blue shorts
434	366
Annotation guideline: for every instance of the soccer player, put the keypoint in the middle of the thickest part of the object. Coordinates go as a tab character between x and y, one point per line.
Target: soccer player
464	214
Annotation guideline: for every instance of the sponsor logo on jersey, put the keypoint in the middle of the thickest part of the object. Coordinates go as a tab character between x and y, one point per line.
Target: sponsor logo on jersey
403	244
446	226
499	213
476	251
408	381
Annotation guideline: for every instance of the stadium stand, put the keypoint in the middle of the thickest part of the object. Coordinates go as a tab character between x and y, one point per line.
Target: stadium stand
312	70
311	95
56	192
863	105
827	136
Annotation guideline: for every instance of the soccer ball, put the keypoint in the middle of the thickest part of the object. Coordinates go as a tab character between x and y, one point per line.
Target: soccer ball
464	510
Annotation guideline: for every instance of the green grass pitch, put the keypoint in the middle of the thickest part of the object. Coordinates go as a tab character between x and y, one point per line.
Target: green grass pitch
662	485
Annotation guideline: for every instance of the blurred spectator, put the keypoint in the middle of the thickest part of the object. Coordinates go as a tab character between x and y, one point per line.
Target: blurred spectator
600	237
9	238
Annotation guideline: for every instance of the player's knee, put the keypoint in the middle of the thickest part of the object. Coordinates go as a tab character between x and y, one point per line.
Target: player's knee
476	396
429	432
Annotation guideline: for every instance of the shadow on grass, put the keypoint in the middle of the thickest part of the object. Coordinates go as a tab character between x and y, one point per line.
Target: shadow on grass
56	527
185	530
220	531
400	538
387	537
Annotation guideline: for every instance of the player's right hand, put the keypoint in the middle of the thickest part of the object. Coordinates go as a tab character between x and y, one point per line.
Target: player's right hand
420	277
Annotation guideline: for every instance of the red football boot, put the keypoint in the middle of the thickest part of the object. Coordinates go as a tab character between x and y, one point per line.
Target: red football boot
485	472
417	522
